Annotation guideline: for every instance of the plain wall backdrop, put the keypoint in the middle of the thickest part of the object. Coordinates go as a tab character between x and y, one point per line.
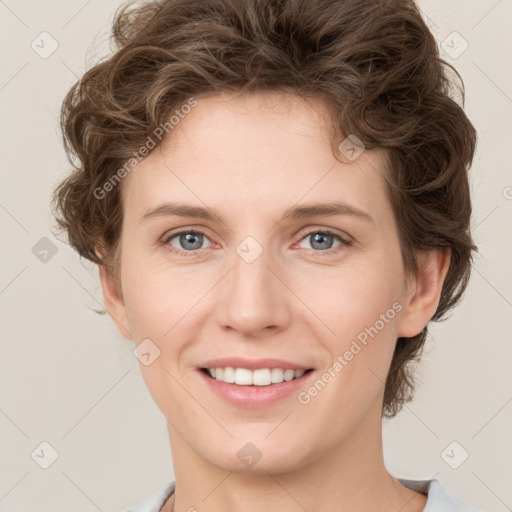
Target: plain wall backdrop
70	381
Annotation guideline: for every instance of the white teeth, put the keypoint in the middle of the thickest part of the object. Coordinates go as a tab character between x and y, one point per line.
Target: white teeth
260	377
277	375
289	374
243	377
229	375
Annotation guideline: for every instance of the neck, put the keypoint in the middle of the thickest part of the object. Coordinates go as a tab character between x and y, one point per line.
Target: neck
346	477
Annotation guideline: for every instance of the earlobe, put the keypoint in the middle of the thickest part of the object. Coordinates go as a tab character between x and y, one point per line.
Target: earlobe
422	297
114	303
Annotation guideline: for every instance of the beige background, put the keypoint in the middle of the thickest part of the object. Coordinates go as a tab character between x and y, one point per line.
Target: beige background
68	378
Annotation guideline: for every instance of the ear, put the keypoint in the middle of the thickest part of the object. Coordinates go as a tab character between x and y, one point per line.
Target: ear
423	294
113	299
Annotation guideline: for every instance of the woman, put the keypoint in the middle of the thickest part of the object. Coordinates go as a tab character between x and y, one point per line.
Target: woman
276	195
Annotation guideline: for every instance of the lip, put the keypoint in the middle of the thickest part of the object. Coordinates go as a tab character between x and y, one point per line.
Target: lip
255	397
253	364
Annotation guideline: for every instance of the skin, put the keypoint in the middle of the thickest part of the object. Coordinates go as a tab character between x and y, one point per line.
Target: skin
250	159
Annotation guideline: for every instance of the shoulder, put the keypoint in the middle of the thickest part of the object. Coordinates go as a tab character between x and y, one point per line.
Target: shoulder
438	500
154	502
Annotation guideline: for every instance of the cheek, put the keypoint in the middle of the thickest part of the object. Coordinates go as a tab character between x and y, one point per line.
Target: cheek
162	300
158	298
358	308
350	298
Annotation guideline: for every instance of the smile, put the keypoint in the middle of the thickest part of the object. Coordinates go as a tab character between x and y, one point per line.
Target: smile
259	377
255	389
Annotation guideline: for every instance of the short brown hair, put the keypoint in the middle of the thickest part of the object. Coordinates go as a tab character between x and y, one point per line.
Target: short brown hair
374	63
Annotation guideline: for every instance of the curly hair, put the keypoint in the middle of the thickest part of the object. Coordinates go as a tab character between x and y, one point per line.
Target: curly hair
374	63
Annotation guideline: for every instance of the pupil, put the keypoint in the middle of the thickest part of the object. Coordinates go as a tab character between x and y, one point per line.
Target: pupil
319	237
189	237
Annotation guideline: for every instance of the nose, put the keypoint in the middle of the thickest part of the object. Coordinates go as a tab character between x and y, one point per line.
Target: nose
255	300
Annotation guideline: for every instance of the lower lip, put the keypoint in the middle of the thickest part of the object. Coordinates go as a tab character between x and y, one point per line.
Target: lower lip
252	397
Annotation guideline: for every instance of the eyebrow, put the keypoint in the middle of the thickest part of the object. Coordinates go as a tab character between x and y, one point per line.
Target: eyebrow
297	212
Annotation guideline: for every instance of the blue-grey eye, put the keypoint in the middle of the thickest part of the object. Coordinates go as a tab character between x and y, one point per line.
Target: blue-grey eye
188	240
320	240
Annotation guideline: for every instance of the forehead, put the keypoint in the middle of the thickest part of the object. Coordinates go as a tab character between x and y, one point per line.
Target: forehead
254	152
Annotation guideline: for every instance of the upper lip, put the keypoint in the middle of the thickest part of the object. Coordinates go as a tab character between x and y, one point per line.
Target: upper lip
253	364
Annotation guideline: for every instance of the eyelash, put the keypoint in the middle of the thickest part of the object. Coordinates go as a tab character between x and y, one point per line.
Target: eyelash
344	243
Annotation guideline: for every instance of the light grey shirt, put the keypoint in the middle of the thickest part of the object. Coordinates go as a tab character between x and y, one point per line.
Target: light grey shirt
438	499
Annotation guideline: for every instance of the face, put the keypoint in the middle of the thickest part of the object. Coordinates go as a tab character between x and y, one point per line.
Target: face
257	279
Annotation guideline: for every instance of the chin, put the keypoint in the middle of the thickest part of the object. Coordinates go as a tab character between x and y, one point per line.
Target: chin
275	464
259	457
